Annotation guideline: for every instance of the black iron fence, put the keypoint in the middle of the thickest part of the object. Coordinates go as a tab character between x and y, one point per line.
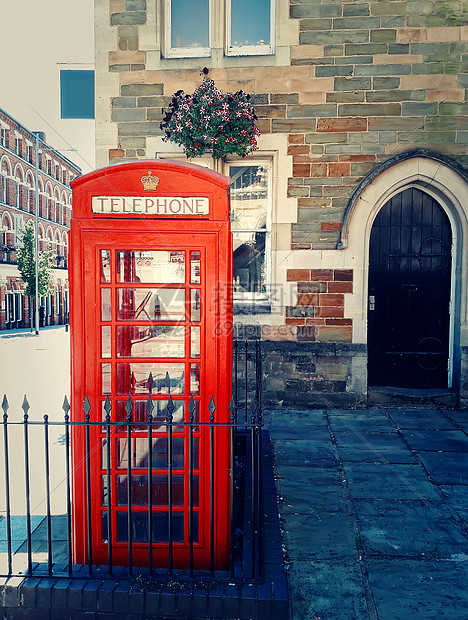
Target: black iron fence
27	437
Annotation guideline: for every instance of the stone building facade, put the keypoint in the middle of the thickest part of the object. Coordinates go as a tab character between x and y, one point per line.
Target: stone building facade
18	206
360	104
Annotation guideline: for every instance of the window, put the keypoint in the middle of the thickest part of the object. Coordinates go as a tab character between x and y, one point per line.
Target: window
2	188
251	225
188	28
250	27
2	137
30	154
18	146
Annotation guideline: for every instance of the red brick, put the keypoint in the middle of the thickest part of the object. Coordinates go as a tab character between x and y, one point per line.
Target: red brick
339	170
113	153
299	149
342	124
329	312
340	287
330	226
343	275
318	170
320	275
334	299
335	333
315	321
295	322
339	321
301	170
299	275
308	299
296	138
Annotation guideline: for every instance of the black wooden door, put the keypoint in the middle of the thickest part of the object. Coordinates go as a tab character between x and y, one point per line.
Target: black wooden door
409	293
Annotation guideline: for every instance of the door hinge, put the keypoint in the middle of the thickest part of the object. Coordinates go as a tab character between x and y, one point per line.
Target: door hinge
450	307
448	365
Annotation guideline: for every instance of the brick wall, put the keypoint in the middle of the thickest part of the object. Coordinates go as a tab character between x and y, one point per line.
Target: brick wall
364	81
367	80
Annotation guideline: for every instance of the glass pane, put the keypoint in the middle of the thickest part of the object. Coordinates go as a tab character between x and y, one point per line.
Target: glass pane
195	342
150	341
106	378
139	456
249	196
250	22
195	379
249	268
195	267
195	305
143	304
190	23
105	265
160	490
140	526
147	378
106	312
151	266
139	414
106	339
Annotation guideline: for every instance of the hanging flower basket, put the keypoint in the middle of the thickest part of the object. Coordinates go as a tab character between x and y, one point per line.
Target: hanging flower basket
210	121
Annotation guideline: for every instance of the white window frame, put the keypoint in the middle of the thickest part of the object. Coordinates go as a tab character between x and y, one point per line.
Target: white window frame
244	297
255	297
3	190
185	52
250	50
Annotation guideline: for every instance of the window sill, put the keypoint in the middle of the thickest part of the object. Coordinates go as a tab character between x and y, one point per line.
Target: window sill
251	307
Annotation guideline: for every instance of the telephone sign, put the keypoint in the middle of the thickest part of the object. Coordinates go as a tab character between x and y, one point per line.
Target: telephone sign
151	317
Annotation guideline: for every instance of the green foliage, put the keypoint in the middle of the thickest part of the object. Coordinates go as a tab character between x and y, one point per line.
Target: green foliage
27	264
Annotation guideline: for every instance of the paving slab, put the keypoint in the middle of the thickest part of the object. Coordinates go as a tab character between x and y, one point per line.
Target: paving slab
460	418
324	535
446	467
419	589
305	490
457	496
18	531
372	447
420	418
326	590
304	453
382	481
439	440
409	528
374	421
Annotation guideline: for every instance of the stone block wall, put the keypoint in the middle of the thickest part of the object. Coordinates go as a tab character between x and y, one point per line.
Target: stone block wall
353	84
364	82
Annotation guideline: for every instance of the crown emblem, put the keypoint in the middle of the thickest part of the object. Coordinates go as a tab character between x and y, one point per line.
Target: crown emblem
150	183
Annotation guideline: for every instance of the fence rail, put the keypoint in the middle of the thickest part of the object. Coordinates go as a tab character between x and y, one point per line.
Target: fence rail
243	426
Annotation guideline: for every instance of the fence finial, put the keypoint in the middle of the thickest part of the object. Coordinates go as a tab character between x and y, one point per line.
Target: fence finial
5	405
25	406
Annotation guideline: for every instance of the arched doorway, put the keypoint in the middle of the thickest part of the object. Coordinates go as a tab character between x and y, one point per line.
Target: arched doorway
409	293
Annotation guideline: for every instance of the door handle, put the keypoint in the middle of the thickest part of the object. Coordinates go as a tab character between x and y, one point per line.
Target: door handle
371	302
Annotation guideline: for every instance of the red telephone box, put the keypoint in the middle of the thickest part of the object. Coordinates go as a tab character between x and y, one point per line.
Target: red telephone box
150	252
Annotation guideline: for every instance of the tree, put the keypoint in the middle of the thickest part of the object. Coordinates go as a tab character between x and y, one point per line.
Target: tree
27	264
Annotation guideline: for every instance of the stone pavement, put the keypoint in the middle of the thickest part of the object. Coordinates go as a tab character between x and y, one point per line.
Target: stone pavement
374	506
